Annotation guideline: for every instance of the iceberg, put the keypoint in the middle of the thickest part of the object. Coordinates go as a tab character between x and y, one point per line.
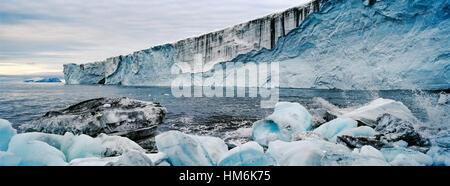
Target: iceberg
330	129
189	150
248	154
37	149
286	119
6	133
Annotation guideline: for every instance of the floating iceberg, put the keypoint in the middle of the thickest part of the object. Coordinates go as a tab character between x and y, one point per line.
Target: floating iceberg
286	119
6	133
248	154
189	150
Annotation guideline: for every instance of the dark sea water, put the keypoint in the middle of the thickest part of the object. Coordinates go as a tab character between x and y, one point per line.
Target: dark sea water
23	102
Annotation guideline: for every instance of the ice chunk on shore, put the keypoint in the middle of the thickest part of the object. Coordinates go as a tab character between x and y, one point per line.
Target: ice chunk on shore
287	119
370	112
6	133
189	150
321	153
35	149
406	157
330	129
440	156
132	158
117	145
370	151
248	154
80	146
304	153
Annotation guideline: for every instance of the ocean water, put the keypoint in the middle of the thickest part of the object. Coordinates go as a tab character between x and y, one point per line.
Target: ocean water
221	117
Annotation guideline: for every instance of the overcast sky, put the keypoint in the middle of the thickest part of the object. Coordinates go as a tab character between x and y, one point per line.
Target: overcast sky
41	35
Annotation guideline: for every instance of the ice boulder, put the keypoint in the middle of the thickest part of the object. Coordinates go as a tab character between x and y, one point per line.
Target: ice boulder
248	154
80	146
330	129
117	145
399	156
286	119
396	129
189	150
132	158
134	119
305	152
319	153
363	131
37	149
6	133
440	156
93	161
8	159
369	113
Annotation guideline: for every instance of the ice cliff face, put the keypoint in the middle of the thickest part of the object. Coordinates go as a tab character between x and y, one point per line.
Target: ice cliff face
152	66
345	44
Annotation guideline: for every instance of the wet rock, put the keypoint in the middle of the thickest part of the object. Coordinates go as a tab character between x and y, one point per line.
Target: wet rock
358	142
134	119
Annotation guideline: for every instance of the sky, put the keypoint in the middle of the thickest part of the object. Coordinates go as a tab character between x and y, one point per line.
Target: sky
38	36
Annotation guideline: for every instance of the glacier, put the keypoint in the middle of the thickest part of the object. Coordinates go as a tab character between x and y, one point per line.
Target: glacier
321	44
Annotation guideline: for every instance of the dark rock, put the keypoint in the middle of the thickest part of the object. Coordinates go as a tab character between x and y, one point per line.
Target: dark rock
358	142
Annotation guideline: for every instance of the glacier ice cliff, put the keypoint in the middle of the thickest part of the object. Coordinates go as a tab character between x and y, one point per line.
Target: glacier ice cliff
352	44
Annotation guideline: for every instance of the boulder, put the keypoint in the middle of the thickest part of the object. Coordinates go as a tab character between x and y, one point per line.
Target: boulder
136	120
395	129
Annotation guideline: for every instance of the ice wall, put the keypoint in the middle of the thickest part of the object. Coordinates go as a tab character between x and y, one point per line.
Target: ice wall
152	66
344	44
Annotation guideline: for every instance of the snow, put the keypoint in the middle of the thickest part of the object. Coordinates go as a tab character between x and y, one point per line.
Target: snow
6	132
189	150
330	129
248	154
286	119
